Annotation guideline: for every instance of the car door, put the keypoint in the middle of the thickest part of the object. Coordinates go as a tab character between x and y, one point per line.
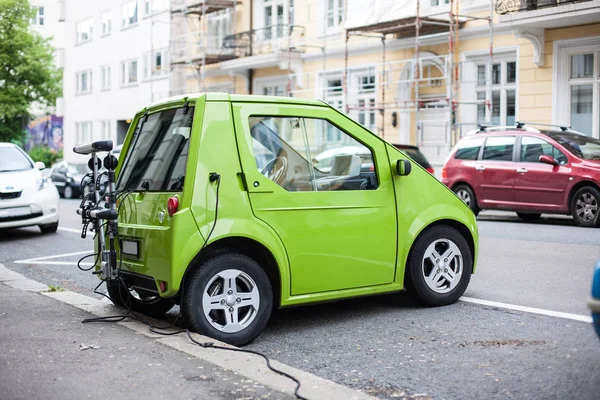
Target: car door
539	185
338	225
495	172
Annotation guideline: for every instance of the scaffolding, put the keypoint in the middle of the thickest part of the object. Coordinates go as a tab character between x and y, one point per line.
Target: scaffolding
421	28
193	45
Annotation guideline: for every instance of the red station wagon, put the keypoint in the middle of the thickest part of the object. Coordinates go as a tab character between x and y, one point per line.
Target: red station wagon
529	171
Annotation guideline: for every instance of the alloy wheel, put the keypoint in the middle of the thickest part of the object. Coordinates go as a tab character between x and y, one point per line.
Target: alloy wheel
442	266
465	196
586	207
230	301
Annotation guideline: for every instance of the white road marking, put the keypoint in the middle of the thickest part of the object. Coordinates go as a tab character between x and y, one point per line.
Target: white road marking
55	256
550	313
52	262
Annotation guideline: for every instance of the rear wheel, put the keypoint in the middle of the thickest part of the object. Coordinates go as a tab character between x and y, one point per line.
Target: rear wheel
68	192
228	298
439	266
584	206
49	228
149	304
465	193
529	216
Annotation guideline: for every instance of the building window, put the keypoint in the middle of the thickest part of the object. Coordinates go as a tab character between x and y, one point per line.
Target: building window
106	22
105	71
335	13
584	90
219	26
105	125
84	82
155	6
365	98
278	16
155	64
84	30
435	3
504	92
38	19
129	14
84	132
129	72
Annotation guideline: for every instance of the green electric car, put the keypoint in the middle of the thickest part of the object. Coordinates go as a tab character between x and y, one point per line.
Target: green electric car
223	210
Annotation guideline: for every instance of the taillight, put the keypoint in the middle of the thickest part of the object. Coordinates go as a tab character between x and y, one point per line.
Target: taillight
172	205
444	173
430	170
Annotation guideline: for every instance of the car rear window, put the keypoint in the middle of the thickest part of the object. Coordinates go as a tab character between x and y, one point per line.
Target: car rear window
419	157
13	159
157	158
468	149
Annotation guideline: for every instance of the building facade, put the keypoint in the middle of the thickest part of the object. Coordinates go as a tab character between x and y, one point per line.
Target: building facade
116	62
422	72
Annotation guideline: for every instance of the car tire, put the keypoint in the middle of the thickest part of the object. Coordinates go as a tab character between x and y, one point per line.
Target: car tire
529	216
49	228
150	305
68	192
585	206
229	298
439	266
466	194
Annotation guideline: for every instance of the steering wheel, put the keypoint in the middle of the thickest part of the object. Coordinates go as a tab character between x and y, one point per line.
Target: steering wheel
276	170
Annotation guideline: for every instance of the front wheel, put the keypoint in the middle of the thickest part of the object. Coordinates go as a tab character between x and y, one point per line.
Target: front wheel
150	305
584	206
228	298
465	193
439	266
68	192
49	228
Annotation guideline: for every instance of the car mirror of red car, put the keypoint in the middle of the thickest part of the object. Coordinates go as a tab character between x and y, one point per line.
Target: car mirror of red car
548	160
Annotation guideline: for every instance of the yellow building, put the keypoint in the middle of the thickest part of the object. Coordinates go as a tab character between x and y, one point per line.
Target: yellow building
420	72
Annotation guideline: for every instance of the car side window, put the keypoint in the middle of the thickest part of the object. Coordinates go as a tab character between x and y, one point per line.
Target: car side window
499	148
301	154
532	148
468	149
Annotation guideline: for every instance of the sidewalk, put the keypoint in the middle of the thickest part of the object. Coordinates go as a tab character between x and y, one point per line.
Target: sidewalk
46	352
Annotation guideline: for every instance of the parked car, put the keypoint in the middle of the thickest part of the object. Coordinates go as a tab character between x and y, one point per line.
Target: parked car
594	302
325	159
68	177
230	216
528	171
27	197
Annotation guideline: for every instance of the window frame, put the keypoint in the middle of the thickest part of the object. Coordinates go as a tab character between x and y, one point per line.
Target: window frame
106	18
78	132
79	81
503	87
515	148
548	141
105	84
89	21
126	73
125	17
39	17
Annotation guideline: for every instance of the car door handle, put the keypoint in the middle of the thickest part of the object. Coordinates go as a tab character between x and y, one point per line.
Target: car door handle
480	168
522	170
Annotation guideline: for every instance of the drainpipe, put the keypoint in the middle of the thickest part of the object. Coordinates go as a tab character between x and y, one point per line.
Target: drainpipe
251	33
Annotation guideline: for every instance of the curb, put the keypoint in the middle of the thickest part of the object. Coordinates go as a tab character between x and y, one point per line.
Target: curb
248	365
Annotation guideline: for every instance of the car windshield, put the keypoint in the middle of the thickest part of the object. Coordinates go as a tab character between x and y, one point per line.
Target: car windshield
582	146
78	169
13	159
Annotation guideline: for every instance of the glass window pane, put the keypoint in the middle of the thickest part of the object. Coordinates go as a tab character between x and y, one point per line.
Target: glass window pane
510	107
468	149
581	108
480	108
480	75
532	148
496	74
496	108
499	148
511	72
582	65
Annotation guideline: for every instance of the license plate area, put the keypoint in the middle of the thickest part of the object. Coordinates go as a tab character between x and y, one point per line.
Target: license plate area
14	212
130	248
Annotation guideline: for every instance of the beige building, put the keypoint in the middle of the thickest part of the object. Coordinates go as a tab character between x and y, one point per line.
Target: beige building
420	72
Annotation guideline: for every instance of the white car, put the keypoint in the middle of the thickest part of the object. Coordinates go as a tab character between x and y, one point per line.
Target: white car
27	197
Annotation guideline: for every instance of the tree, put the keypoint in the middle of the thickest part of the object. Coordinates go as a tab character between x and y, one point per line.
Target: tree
28	74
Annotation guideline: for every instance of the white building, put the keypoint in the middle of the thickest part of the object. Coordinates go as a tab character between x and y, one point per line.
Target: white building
49	23
116	63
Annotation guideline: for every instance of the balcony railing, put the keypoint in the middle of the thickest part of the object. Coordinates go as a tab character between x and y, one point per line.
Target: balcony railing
195	47
265	40
512	6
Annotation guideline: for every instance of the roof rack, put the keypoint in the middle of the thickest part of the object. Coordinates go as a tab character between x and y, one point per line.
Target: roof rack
562	127
518	125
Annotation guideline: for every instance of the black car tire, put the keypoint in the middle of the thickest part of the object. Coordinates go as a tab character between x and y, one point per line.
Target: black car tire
192	303
585	206
418	262
529	216
68	192
152	306
49	228
466	194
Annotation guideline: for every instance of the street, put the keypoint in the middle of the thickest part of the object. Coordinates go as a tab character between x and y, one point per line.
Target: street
522	330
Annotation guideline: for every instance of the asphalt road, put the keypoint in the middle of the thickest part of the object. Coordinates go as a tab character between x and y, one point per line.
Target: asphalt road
392	348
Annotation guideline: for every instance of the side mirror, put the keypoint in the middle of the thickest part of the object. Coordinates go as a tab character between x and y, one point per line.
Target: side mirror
40	165
403	167
548	160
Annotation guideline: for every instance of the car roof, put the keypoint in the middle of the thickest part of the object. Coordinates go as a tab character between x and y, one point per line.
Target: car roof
243	98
